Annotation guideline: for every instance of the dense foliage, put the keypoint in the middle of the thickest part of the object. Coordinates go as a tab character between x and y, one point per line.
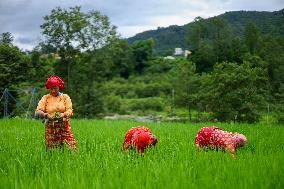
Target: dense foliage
229	76
168	38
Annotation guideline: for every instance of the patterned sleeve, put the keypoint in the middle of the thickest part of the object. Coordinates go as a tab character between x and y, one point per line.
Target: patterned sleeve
68	106
41	104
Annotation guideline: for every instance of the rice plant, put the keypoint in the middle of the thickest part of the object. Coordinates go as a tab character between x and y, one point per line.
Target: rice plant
99	161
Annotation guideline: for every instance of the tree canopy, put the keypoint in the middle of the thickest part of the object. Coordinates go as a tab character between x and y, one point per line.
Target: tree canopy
75	30
232	74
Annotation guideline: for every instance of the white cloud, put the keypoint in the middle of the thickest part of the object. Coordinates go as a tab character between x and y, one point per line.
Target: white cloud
129	31
259	5
23	17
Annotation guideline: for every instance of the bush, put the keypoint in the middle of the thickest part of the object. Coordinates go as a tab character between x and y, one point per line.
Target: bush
234	92
143	104
112	103
280	117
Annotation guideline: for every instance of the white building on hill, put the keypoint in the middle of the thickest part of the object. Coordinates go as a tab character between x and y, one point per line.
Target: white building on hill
180	52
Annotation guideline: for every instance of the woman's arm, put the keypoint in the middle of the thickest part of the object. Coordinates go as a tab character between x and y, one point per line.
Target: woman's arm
40	109
68	107
40	114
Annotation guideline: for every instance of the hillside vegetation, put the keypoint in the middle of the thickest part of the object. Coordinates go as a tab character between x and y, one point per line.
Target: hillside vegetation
234	72
168	38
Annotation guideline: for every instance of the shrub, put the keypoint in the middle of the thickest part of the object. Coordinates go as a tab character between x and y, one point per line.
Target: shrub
143	104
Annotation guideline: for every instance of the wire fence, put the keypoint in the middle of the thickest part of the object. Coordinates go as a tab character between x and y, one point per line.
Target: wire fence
18	102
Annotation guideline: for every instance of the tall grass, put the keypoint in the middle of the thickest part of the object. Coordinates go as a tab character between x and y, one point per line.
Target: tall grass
174	163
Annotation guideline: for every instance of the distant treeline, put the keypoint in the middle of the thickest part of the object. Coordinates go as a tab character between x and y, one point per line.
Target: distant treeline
233	73
168	38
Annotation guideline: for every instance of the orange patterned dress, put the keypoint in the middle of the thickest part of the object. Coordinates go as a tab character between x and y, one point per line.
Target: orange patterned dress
57	133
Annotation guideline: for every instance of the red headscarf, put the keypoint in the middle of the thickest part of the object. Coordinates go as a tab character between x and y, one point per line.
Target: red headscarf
54	81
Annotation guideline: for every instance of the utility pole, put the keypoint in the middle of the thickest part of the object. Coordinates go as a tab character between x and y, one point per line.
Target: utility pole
173	101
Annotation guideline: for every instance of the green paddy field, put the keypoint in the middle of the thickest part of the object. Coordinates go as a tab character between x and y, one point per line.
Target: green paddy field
99	161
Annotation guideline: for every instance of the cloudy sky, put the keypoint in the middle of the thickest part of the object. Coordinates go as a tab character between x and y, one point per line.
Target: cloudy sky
23	17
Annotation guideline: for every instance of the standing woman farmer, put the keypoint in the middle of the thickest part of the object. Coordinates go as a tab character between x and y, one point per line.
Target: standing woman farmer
56	108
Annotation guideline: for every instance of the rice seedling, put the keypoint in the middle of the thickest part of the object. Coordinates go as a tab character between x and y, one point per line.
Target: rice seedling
99	161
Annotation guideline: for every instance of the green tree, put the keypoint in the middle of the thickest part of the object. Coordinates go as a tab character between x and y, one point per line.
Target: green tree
142	52
14	66
196	33
273	53
203	57
72	32
90	101
234	92
210	43
252	37
90	71
221	37
236	50
184	81
40	68
159	65
6	37
279	96
122	58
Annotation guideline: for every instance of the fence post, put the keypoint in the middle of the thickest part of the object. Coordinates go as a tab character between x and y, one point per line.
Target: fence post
5	102
6	96
267	114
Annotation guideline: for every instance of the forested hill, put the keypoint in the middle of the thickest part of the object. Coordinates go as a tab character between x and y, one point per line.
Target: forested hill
166	39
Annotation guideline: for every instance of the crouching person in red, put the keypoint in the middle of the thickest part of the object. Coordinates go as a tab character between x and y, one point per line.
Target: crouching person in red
139	138
215	137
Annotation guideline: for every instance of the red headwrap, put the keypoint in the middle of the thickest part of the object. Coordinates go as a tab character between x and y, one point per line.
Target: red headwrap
54	81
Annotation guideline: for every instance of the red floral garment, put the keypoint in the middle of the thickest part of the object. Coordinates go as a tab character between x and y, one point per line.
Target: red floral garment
131	131
57	134
203	137
139	138
222	139
214	137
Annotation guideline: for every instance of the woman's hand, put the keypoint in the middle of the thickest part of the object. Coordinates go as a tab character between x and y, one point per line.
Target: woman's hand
40	114
48	116
61	116
67	114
